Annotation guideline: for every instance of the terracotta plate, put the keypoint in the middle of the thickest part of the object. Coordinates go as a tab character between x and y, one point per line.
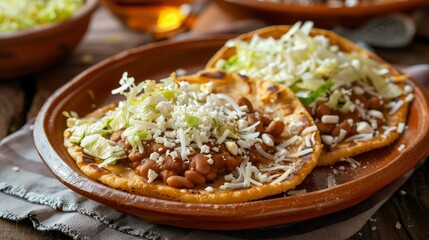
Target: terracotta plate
91	89
322	14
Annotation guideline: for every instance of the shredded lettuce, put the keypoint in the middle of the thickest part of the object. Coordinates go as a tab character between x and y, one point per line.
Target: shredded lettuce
17	15
230	62
98	146
334	99
78	132
306	63
192	121
316	93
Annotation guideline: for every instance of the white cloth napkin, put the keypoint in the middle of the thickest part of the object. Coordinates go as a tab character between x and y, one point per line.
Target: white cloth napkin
28	190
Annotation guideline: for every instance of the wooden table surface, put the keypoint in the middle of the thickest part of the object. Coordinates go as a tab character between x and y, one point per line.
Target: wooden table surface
20	100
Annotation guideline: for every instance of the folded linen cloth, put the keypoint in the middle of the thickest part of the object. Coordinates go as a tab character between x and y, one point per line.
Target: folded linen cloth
28	190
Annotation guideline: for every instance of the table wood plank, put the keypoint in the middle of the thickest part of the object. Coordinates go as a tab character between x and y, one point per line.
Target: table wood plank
11	107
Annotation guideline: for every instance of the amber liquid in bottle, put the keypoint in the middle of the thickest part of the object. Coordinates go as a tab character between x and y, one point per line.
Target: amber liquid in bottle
162	18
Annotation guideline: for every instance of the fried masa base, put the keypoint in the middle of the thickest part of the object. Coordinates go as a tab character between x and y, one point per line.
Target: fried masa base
261	94
343	149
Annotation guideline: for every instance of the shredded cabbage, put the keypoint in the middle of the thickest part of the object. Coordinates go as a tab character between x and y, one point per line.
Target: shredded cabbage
98	146
306	63
16	15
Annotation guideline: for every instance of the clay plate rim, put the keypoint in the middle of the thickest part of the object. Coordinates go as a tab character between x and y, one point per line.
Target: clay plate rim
213	216
322	9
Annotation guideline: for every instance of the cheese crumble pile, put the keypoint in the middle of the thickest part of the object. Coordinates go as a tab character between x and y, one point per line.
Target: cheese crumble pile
188	118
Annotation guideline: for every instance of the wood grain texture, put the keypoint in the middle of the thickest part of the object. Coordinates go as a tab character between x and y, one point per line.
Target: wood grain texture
408	207
24	231
11	107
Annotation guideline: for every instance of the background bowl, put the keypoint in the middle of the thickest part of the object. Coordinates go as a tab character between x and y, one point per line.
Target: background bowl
91	89
324	16
29	51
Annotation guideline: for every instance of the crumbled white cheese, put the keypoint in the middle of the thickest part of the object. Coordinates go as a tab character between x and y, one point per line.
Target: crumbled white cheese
267	140
294	127
398	225
396	106
388	130
364	127
401	147
205	149
409	97
376	114
401	128
331	181
309	130
330	119
154	156
408	88
151	175
232	148
209	189
328	139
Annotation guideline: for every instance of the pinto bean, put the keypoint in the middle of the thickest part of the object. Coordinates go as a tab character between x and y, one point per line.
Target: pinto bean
353	131
136	155
350	115
195	177
158	147
322	109
144	168
179	182
343	125
232	162
275	128
362	99
165	174
265	119
218	163
172	164
325	127
185	165
201	164
116	135
244	101
380	121
252	119
211	176
127	144
376	103
135	164
254	156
